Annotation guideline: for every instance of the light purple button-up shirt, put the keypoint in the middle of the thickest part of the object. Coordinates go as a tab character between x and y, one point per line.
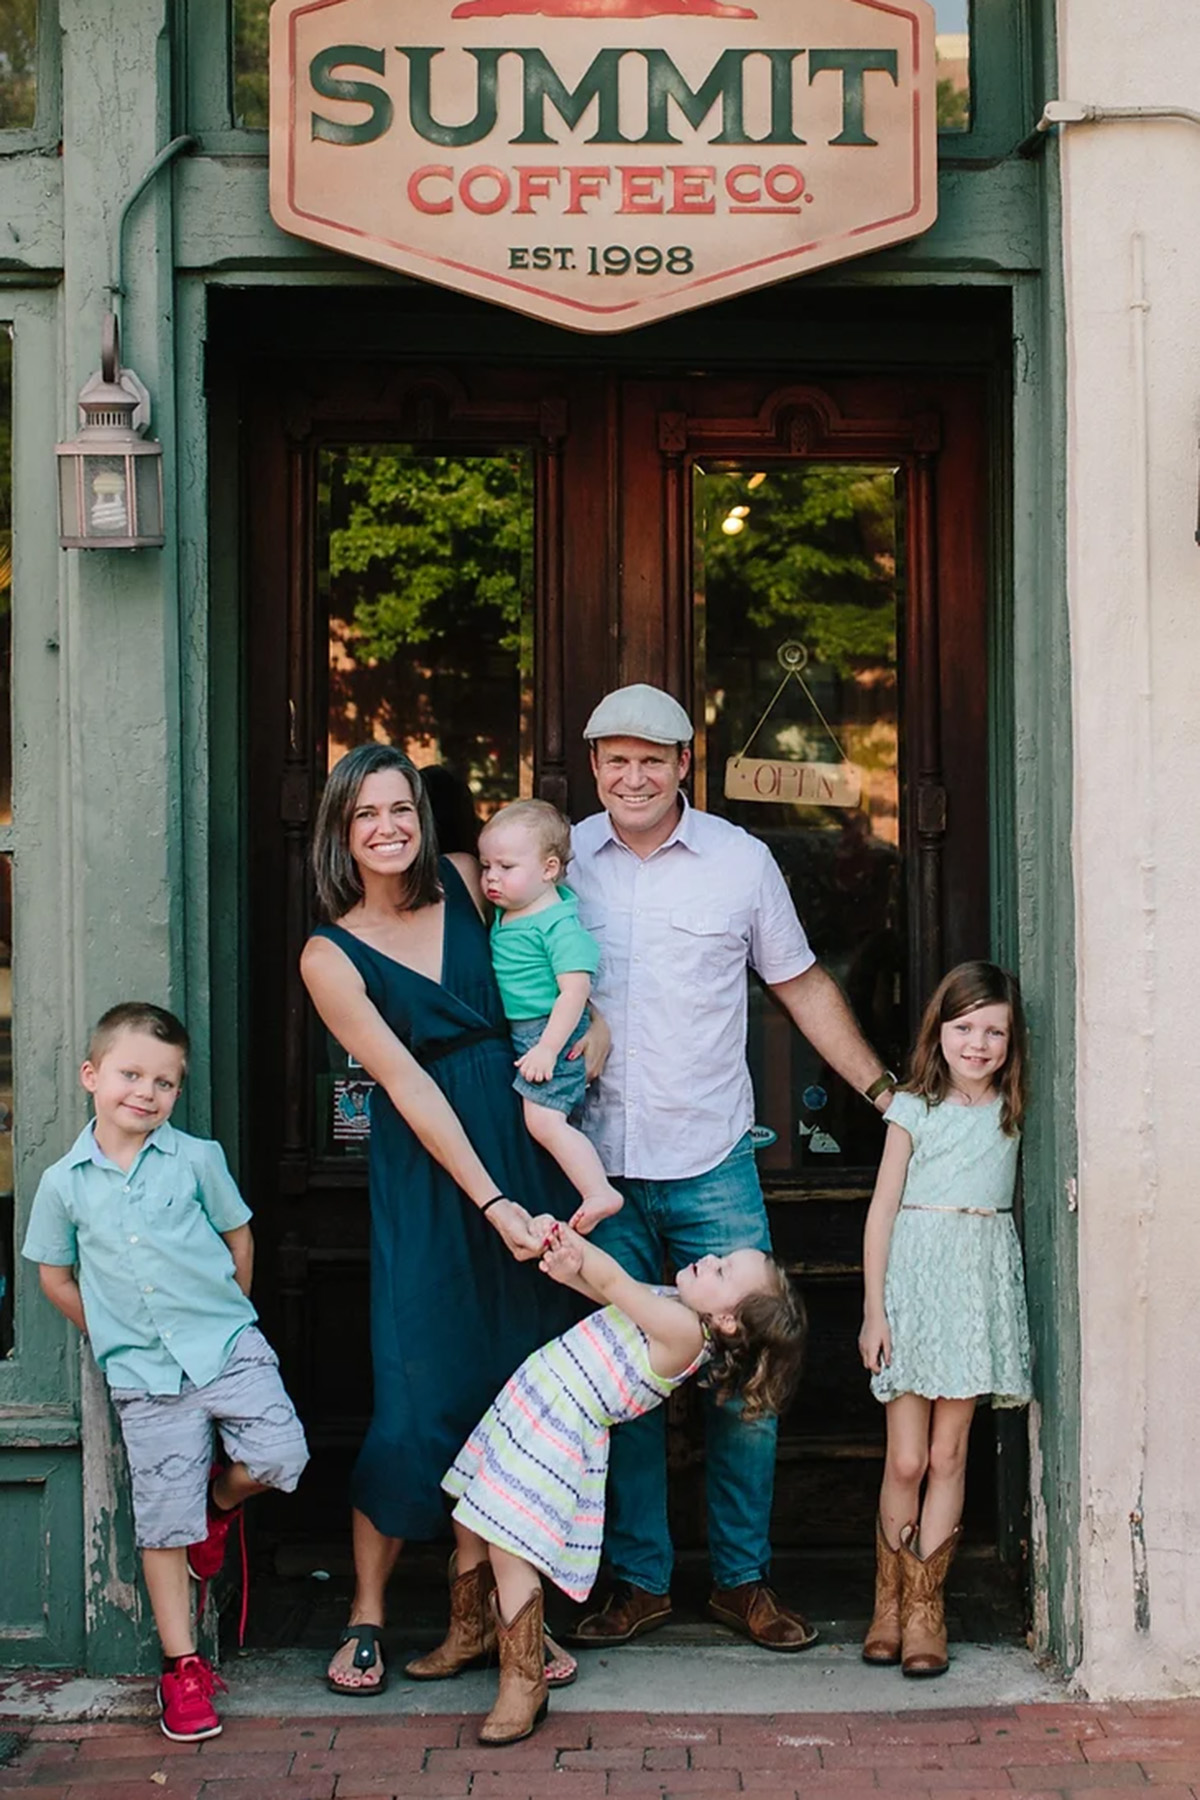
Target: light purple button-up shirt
676	932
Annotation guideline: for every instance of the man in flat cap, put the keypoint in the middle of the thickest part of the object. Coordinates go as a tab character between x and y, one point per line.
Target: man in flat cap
682	902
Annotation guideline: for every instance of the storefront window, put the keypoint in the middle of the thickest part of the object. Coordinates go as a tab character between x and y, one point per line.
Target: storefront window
425	576
6	1091
6	568
953	64
249	63
7	1245
798	612
18	63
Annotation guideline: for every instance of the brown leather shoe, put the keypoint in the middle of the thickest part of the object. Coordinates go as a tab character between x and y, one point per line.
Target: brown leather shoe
758	1613
628	1613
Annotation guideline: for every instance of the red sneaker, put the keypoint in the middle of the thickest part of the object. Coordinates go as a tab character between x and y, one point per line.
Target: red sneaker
205	1559
185	1698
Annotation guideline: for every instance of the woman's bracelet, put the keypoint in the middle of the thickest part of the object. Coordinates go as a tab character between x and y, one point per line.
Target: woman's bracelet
494	1201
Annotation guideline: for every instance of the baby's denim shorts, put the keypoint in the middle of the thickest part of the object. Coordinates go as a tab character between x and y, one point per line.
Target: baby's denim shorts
564	1092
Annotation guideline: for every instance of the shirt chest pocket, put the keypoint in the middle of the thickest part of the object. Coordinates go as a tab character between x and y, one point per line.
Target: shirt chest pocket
705	941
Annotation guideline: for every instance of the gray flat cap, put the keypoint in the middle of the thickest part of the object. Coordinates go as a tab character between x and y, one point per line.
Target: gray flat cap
640	711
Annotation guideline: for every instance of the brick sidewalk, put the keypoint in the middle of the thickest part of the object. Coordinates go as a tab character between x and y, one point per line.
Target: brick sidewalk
1073	1750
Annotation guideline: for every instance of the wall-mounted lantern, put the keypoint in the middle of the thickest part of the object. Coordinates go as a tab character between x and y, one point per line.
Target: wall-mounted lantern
110	492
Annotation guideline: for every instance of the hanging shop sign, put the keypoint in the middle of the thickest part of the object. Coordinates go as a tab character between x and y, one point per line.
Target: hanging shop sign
780	779
601	163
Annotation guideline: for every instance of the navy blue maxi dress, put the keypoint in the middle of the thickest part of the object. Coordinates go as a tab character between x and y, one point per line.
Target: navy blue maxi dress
452	1313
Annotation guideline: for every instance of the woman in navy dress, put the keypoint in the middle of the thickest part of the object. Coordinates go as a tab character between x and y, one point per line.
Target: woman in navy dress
402	978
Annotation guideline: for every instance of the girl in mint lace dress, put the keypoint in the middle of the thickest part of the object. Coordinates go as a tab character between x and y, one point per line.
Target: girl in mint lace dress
944	1320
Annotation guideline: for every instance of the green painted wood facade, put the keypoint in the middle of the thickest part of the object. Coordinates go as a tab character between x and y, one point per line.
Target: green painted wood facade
129	823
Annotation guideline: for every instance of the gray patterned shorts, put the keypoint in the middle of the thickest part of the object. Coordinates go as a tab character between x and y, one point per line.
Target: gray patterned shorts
169	1441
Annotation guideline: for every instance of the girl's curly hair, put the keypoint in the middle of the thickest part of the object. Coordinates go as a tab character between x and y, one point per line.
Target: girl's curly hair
759	1361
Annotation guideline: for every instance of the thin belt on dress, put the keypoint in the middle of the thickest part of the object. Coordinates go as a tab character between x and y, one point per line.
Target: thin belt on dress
976	1212
434	1052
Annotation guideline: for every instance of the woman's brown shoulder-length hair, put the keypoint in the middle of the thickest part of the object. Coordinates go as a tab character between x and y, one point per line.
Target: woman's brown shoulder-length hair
966	988
339	885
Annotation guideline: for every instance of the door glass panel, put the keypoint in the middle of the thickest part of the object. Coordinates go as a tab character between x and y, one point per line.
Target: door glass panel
425	587
18	64
799	605
953	64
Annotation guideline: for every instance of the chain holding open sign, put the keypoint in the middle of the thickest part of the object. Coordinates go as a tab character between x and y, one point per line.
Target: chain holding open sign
800	783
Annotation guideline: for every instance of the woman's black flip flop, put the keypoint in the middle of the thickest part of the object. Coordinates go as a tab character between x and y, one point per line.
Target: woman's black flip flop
366	1656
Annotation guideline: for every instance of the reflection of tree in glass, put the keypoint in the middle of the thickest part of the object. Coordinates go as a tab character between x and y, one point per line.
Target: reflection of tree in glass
816	559
808	552
18	63
953	102
249	63
429	561
812	558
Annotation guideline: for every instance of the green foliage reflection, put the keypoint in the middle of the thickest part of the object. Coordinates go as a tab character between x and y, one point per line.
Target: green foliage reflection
428	567
250	63
815	559
18	63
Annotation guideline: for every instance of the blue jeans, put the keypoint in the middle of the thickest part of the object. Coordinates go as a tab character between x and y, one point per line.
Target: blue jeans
718	1211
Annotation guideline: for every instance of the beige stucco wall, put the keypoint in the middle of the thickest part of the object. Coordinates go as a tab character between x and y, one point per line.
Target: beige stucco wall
1131	194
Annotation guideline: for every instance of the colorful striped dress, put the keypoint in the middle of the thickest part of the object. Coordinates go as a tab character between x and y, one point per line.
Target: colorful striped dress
530	1477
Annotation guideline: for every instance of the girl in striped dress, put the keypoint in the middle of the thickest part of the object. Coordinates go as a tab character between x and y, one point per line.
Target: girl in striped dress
529	1481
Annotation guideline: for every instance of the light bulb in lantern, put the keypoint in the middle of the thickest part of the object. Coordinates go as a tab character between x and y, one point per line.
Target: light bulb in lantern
109	510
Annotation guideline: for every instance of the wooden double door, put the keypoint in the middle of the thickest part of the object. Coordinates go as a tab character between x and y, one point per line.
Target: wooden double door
461	558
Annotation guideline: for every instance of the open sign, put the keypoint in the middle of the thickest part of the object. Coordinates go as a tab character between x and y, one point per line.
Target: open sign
792	783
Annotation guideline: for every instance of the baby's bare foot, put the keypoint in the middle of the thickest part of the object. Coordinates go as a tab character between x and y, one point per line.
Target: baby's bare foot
596	1207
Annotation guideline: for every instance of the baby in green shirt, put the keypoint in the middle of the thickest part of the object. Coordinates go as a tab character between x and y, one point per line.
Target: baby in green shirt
544	962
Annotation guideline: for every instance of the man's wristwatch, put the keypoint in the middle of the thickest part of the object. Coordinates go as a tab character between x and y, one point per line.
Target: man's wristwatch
882	1084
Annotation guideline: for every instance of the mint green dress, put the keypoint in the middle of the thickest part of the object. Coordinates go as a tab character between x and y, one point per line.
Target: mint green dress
954	1290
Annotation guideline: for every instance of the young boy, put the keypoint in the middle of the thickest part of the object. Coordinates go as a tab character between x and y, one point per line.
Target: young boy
151	1219
544	962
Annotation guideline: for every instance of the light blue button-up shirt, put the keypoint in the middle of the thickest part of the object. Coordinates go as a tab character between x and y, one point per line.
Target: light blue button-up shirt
157	1280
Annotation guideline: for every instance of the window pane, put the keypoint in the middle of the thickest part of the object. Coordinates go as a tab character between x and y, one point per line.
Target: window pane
425	582
6	562
953	64
7	1250
799	604
249	63
18	64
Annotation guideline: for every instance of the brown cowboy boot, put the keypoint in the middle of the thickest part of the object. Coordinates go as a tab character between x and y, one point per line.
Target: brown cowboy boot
471	1638
922	1604
881	1645
521	1703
